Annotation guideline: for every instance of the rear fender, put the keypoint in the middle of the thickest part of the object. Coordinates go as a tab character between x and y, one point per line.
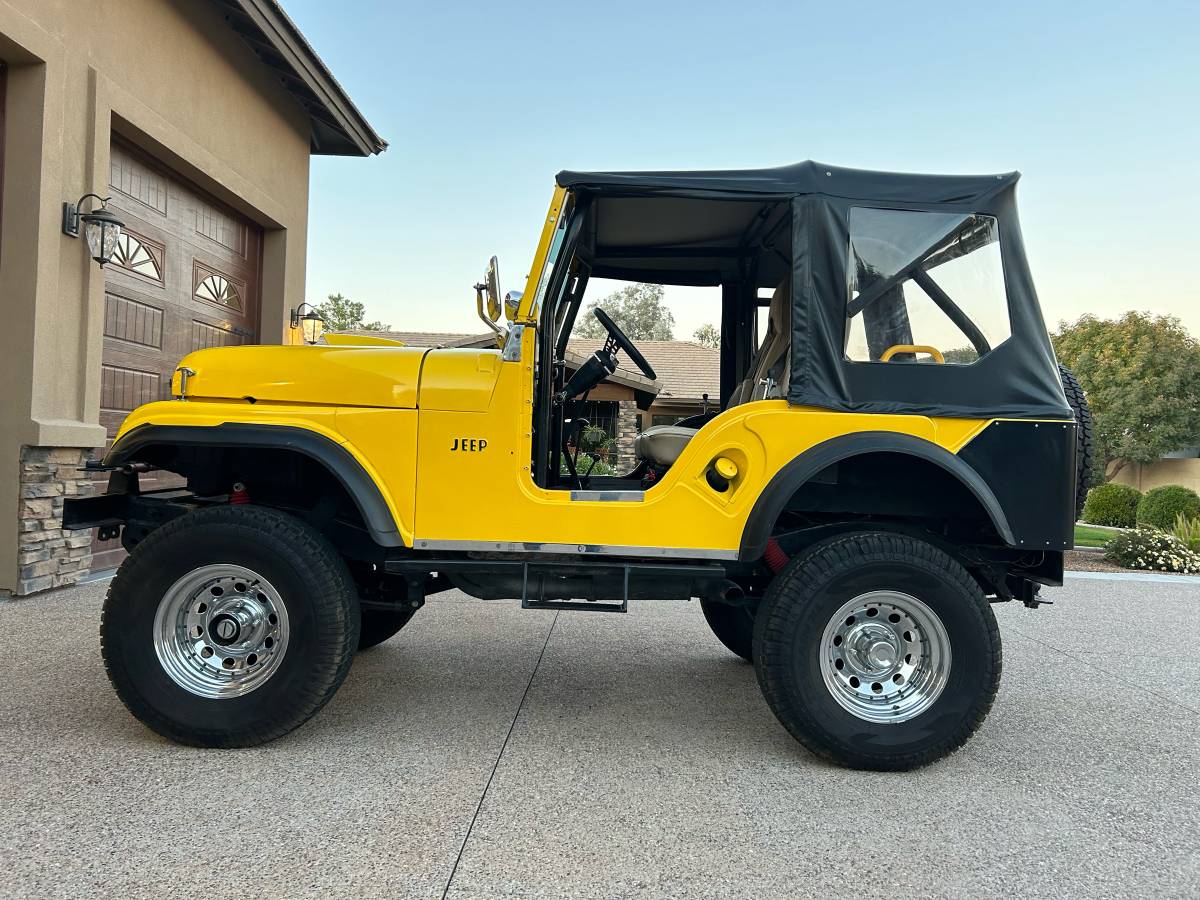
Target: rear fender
774	498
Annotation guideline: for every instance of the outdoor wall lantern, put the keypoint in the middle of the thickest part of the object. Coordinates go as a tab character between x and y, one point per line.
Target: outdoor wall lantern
311	324
100	227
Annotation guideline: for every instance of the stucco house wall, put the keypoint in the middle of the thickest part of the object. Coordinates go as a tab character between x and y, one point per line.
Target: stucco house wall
173	79
1145	476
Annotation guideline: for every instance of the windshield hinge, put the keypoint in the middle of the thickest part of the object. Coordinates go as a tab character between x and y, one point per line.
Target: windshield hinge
512	344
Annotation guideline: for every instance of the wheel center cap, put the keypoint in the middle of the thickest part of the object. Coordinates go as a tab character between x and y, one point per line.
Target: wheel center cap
224	629
881	655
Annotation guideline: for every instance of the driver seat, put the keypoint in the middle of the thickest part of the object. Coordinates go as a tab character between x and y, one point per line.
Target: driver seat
769	374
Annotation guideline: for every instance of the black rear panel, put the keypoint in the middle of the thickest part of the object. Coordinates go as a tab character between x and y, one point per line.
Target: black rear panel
1030	467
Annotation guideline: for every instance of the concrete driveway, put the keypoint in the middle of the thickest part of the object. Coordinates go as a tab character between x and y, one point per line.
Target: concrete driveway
492	751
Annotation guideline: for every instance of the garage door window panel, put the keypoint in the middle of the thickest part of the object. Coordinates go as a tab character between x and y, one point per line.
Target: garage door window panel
139	255
214	287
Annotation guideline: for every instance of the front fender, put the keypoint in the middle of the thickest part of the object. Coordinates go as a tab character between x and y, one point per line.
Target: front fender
329	453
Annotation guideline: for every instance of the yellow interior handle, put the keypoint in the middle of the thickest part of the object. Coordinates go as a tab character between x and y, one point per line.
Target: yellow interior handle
913	348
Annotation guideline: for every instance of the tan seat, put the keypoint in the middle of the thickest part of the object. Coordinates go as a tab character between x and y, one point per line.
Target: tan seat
768	377
662	444
771	368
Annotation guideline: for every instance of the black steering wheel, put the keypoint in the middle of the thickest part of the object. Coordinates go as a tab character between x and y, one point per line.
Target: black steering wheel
619	338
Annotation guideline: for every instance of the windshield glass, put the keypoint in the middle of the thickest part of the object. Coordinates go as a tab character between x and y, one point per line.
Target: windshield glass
927	280
552	255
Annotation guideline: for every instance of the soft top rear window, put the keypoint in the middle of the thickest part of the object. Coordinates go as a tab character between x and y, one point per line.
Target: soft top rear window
924	287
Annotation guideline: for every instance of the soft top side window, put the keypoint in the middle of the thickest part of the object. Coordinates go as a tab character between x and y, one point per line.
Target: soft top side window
924	286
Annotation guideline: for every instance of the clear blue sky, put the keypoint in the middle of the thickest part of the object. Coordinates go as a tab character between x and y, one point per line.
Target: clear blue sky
1097	104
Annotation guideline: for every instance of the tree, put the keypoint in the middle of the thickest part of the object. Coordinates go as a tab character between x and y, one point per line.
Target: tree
1141	374
962	356
343	314
638	310
708	335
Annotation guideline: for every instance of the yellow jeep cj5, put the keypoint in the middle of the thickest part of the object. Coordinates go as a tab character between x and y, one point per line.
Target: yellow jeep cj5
895	448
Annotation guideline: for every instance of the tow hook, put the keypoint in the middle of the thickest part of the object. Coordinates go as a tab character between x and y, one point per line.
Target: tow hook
239	495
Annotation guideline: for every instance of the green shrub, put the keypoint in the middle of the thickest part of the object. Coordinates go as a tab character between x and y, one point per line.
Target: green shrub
594	439
1160	506
1149	548
1112	504
1188	531
585	462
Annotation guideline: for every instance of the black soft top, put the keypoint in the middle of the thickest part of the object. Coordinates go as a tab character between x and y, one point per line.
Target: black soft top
713	227
807	177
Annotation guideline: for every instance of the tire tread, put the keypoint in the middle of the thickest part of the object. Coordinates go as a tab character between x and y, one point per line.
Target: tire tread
803	577
329	578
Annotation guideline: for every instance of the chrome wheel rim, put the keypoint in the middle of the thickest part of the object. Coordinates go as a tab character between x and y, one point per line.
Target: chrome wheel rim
221	631
885	657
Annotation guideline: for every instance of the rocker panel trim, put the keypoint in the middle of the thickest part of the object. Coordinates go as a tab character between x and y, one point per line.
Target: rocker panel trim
587	549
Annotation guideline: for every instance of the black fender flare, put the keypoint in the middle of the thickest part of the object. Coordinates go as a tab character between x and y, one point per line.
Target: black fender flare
334	457
791	477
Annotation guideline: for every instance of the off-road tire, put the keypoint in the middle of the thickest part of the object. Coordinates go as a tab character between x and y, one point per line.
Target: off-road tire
733	626
378	625
321	603
1084	448
799	605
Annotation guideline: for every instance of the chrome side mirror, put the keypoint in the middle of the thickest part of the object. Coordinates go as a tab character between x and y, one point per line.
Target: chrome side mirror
491	287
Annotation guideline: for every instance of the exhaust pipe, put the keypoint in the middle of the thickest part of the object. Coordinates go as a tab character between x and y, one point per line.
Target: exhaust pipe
730	592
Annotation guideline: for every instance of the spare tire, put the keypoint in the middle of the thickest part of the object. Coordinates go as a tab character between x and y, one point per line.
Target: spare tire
1083	435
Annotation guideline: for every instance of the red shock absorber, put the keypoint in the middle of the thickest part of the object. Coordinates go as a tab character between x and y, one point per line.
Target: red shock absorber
239	495
774	556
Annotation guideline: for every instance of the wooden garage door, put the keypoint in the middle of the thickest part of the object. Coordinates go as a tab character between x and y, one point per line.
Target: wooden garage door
186	275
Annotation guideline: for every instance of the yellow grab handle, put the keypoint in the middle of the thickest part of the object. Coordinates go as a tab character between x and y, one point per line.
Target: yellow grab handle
913	348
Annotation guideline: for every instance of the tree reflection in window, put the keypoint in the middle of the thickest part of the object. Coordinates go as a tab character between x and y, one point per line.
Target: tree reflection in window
216	289
135	256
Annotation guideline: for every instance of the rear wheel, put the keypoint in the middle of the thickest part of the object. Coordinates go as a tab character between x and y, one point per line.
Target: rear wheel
877	651
733	626
229	626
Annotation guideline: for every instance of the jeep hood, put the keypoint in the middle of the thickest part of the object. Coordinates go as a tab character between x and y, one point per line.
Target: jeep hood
312	375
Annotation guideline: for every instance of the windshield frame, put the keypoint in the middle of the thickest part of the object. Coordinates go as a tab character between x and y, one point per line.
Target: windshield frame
549	371
546	255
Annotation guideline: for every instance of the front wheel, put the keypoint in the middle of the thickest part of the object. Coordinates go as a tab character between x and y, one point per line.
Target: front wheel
877	651
229	626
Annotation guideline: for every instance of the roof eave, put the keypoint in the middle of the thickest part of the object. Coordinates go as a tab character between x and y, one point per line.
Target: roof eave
338	128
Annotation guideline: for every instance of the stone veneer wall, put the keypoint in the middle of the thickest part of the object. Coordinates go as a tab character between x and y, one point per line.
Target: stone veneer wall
627	431
49	557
